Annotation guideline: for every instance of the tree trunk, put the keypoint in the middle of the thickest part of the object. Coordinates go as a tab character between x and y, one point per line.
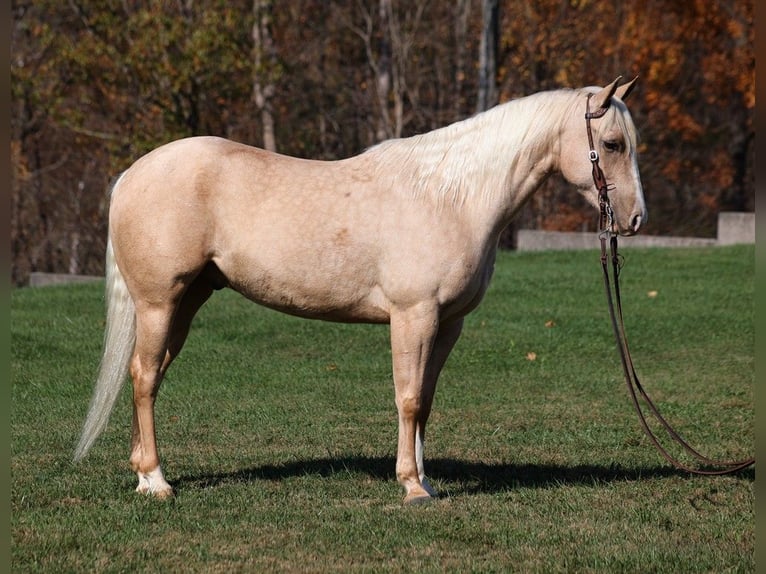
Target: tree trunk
384	68
264	63
462	11
487	96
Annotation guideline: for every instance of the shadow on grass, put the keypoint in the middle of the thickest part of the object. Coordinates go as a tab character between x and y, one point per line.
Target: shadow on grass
458	477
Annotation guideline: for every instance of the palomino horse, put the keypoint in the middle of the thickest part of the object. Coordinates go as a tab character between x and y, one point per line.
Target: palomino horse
404	233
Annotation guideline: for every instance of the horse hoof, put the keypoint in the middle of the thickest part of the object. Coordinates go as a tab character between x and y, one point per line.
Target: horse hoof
158	493
164	494
428	488
417	499
154	484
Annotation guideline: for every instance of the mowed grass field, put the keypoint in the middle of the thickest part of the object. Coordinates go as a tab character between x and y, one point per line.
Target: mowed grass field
279	434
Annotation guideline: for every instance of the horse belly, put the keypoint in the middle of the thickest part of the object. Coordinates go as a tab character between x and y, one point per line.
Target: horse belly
307	289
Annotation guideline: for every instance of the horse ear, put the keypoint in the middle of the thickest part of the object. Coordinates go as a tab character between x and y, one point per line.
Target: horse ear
624	90
601	99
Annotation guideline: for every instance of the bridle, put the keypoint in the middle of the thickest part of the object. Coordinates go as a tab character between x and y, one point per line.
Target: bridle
607	230
606	215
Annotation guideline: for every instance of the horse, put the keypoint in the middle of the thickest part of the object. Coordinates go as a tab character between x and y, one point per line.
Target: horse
404	233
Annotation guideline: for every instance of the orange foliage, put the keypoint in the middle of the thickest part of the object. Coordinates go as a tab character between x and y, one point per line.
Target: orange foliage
96	83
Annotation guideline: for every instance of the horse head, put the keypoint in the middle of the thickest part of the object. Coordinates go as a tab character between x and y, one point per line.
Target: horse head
613	149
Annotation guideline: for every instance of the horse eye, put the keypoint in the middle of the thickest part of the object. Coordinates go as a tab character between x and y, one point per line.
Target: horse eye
612	146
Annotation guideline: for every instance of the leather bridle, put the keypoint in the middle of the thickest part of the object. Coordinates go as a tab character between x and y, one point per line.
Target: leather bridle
606	219
607	231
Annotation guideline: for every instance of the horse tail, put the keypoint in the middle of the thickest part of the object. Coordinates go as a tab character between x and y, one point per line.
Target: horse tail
119	342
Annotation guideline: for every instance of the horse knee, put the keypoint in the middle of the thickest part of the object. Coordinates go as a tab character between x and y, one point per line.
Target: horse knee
409	406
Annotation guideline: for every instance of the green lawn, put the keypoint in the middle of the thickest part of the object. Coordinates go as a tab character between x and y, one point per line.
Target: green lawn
279	434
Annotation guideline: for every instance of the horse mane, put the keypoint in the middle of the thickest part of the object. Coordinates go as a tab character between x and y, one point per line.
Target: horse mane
474	156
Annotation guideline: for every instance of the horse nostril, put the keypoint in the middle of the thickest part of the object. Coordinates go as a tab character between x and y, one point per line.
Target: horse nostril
635	222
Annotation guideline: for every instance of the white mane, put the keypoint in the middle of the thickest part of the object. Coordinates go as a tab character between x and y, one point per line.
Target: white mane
475	156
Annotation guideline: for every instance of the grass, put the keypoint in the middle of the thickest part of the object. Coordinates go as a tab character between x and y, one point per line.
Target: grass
279	434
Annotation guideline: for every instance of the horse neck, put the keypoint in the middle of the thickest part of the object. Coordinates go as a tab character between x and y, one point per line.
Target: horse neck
489	165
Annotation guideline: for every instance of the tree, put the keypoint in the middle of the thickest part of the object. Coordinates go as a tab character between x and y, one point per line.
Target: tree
95	84
487	95
265	64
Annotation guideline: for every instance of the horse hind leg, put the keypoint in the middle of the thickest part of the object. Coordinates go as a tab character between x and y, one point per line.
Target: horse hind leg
152	329
194	297
160	336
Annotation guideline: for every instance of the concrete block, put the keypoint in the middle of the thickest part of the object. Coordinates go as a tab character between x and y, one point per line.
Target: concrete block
38	279
736	227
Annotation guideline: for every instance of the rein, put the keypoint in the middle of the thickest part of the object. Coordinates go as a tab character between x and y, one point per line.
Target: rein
635	388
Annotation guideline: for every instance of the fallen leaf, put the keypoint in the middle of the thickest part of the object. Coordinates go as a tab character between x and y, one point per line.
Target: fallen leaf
652	294
531	356
550	323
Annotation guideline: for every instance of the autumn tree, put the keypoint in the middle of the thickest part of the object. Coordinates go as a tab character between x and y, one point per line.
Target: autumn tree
96	84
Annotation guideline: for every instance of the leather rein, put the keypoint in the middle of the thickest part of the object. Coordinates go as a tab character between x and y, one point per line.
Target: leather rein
606	226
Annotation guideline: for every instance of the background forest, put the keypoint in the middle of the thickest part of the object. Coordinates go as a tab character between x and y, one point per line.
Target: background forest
97	83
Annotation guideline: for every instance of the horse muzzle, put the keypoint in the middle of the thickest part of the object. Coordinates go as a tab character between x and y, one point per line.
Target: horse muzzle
637	219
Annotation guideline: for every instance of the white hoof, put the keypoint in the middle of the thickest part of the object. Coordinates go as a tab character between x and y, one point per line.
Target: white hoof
153	483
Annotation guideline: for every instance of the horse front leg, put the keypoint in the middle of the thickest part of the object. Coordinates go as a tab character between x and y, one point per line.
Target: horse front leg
446	338
413	332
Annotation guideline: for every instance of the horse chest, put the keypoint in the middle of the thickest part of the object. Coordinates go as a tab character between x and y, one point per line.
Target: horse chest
463	294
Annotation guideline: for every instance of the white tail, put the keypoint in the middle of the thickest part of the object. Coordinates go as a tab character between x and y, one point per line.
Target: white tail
119	341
